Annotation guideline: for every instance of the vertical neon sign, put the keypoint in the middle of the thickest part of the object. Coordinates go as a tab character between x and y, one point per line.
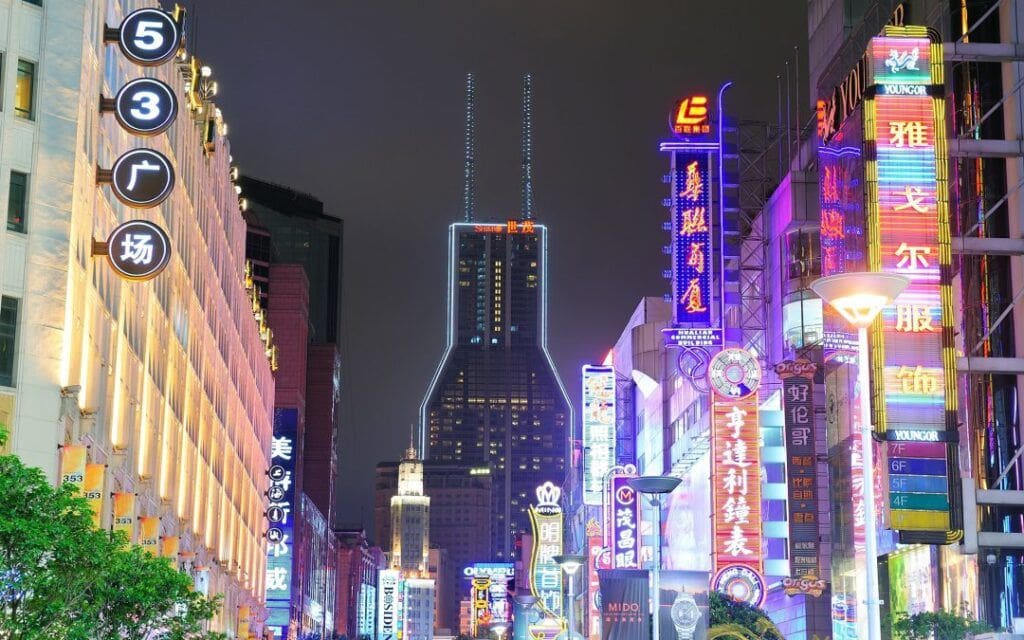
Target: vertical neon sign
598	430
280	534
914	371
545	574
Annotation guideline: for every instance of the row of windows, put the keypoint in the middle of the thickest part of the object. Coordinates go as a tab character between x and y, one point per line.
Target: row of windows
8	339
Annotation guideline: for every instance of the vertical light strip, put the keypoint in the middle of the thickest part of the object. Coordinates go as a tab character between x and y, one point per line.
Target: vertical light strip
117	439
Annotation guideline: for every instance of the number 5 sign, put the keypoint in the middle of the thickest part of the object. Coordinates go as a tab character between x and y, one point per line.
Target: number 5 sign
148	37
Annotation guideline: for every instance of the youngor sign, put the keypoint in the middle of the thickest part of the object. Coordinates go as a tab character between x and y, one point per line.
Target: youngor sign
913	367
736	476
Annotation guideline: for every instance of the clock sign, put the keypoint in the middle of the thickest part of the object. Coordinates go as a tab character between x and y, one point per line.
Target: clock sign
145	107
142	178
734	373
138	250
149	37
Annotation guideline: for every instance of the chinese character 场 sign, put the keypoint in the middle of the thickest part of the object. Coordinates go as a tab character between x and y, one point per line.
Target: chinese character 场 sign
908	233
692	260
736	476
598	429
801	478
545	574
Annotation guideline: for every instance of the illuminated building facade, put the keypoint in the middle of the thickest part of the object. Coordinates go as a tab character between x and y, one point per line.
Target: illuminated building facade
358	565
460	517
496	398
410	518
168	382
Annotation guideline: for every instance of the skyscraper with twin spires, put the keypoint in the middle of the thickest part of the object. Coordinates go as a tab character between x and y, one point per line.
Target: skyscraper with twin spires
496	398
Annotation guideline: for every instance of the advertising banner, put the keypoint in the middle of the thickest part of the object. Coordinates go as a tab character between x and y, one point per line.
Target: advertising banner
625	604
595	550
625	524
149	533
124	513
280	510
490	586
389	612
684	604
548	531
692	220
72	465
92	489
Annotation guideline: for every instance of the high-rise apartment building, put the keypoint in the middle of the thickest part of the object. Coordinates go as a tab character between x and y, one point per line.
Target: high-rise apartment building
166	382
496	398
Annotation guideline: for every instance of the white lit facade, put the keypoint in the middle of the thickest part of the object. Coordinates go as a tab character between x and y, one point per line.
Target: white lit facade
410	519
168	382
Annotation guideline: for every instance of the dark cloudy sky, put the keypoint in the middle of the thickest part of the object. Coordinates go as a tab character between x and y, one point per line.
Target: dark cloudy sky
361	104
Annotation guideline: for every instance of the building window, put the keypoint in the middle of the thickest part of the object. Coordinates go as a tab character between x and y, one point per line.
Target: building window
17	202
8	339
24	90
38	3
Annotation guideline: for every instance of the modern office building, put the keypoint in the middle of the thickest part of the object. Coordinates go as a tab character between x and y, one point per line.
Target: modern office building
460	517
496	398
167	382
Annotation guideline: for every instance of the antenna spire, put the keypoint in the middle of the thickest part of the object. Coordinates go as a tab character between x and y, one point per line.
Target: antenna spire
469	167
526	185
410	453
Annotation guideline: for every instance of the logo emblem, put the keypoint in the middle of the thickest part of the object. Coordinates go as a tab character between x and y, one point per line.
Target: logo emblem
734	373
691	116
741	583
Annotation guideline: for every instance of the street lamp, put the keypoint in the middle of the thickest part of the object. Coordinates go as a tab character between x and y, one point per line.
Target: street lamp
570	565
499	630
860	297
656	486
523	614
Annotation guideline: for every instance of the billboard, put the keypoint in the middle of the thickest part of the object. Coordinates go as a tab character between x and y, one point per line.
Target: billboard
489	586
908	234
281	507
683	604
692	264
734	376
625	604
801	465
598	430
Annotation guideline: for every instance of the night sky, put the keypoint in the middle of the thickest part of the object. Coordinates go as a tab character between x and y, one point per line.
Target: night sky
361	104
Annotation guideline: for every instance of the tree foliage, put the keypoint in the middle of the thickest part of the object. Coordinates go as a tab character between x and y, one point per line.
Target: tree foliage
937	625
62	579
726	611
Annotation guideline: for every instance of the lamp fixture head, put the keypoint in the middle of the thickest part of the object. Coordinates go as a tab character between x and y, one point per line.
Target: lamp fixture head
860	296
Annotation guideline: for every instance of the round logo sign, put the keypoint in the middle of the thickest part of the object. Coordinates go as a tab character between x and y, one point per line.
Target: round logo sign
734	373
142	178
275	492
149	37
138	250
275	535
276	473
740	583
625	495
275	514
145	107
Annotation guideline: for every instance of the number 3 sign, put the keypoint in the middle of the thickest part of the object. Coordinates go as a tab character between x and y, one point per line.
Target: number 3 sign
149	37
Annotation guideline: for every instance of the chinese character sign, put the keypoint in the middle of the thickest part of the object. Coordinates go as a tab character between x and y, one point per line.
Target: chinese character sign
280	514
489	586
692	221
909	234
801	479
624	524
598	430
545	574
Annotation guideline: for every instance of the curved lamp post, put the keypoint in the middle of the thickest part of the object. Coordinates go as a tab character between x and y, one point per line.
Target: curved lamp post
655	486
859	297
570	564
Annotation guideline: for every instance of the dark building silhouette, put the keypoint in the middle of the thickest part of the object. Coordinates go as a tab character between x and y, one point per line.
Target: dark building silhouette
496	398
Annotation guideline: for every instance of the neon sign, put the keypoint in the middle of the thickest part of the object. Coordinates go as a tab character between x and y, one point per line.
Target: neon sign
624	524
389	613
511	226
598	430
545	574
801	464
692	116
280	531
908	224
490	584
736	477
692	263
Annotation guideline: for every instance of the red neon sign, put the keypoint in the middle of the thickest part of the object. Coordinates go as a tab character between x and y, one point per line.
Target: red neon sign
692	116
